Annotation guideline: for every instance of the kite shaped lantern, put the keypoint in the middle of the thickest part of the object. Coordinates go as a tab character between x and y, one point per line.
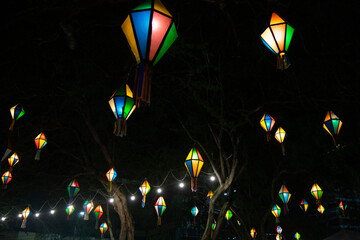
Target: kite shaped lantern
304	205
40	142
193	164
276	211
98	212
144	189
13	160
285	195
122	105
321	209
111	175
317	193
194	212
25	214
267	123
16	112
297	236
160	207
69	210
277	37
332	125
228	215
88	207
278	229
6	178
150	31
253	233
73	189
209	196
103	229
280	136
343	207
213	226
278	237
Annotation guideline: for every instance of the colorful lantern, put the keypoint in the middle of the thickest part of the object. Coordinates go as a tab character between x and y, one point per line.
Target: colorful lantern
276	211
213	226
297	236
280	135
16	112
267	123
111	175
88	207
98	212
228	215
317	193
69	210
238	222
277	37
122	104
13	160
209	196
194	212
150	31
25	214
332	125
253	233
193	164
321	209
160	207
103	229
278	237
343	207
144	189
304	205
278	229
40	142
5	149
6	178
73	189
285	195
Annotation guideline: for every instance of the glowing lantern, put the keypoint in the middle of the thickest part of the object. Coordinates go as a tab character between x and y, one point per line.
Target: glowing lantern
103	229
160	207
253	233
98	212
317	193
194	212
122	104
25	214
88	207
213	226
267	123
111	175
332	125
276	211
69	210
150	31
278	229
343	207
238	222
278	237
304	205
228	215
40	142
297	236
6	178
193	164
13	160
73	189
277	37
285	195
144	189
209	196
16	112
280	135
321	209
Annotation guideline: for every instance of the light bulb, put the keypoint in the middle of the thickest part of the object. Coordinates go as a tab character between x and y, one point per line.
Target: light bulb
52	212
181	185
37	214
132	198
111	200
159	190
212	178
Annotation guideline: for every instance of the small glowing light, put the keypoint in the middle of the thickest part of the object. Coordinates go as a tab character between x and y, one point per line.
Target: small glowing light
37	214
52	211
155	25
82	213
132	198
111	200
181	185
225	194
19	215
234	190
212	178
3	218
159	190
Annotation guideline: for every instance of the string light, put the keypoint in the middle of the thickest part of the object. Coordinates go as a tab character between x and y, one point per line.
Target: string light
82	213
3	219
19	215
159	190
212	178
111	200
52	211
37	214
181	185
132	198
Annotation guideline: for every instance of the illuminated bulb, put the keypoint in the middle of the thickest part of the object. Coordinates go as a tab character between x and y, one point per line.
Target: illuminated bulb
19	215
181	185
37	214
234	190
111	200
132	198
3	218
82	213
212	178
159	190
52	212
225	194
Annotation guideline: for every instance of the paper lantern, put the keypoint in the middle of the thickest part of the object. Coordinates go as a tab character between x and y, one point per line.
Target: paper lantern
332	124
228	215
73	189
16	112
285	195
213	226
122	105
276	211
150	31
278	237
194	212
304	205
277	37
111	175
6	178
343	207
103	229
98	212
297	236
13	160
321	209
193	164
88	207
209	196
69	210
267	123
280	136
40	142
278	229
253	233
160	207
238	222
144	189
25	214
317	193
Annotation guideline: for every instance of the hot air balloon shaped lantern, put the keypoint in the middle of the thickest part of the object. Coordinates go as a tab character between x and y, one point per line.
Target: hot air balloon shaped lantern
267	123
69	210
304	205
111	175
342	207
98	212
297	236
321	209
228	215
332	124
40	142
144	189
253	233
122	105
150	31
103	229
278	237
16	112
13	160
25	214
280	136
193	163
278	229
317	193
88	207
209	196
73	189
276	211
277	37
160	207
194	212
6	178
285	195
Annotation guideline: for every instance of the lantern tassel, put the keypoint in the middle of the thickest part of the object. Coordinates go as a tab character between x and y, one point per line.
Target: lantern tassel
334	140
211	234
159	221
318	202
23	224
194	220
286	209
193	184
283	149
142	84
102	235
143	201
268	136
12	125
86	217
37	155
283	61
68	217
110	186
277	220
120	128
96	224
